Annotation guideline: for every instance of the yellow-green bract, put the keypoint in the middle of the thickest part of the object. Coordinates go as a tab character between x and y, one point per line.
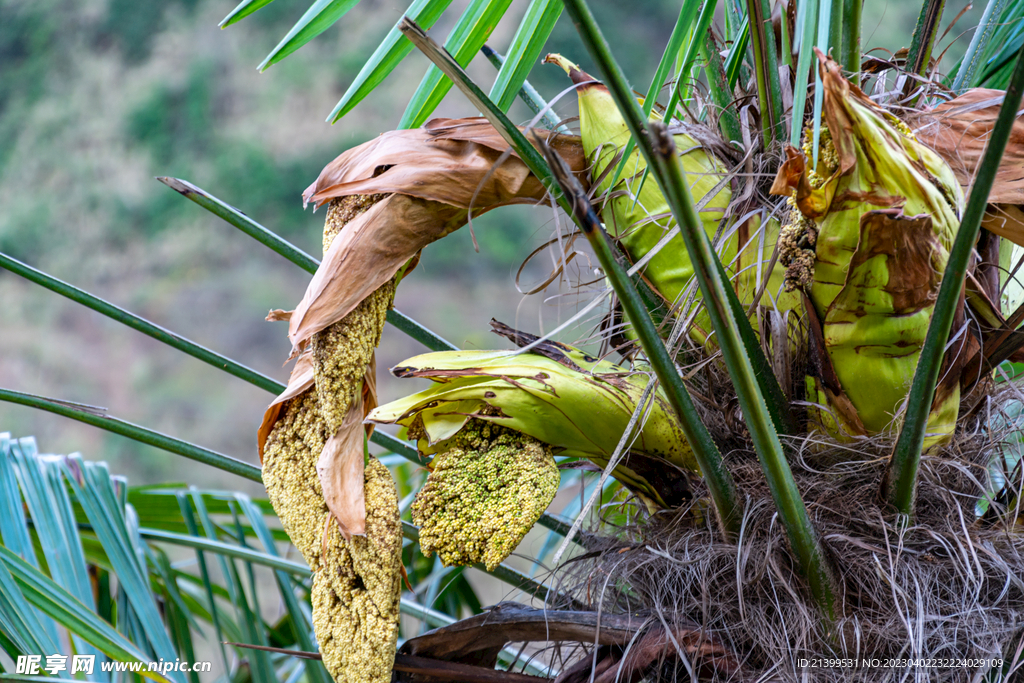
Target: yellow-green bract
640	216
887	211
578	405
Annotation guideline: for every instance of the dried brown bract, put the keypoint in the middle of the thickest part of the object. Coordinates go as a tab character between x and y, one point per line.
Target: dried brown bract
434	177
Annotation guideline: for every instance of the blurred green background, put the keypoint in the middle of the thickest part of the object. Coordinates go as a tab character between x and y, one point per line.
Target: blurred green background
98	97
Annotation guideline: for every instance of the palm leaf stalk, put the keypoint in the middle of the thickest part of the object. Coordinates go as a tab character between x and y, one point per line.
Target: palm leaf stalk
659	149
720	482
807	18
97	418
529	95
766	70
466	38
901	478
851	17
718	87
511	134
135	322
920	53
606	127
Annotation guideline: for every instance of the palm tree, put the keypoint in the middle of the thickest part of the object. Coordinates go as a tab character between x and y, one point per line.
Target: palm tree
808	446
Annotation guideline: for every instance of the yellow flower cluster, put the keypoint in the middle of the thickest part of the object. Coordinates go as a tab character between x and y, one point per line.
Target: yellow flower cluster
356	584
356	593
289	473
342	351
799	236
486	490
828	158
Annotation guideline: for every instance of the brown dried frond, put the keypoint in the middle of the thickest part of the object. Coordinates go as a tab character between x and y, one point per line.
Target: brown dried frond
958	131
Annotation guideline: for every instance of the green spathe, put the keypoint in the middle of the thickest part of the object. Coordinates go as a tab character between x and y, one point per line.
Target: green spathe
886	209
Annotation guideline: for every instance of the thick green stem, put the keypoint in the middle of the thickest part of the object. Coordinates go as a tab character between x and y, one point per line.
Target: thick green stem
900	482
920	53
766	69
719	480
718	86
803	537
620	91
851	38
659	149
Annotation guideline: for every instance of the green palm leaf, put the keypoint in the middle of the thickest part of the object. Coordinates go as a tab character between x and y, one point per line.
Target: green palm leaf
320	16
388	55
469	35
522	54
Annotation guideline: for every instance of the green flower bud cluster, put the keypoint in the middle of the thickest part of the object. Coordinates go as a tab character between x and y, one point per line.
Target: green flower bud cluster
485	492
356	592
